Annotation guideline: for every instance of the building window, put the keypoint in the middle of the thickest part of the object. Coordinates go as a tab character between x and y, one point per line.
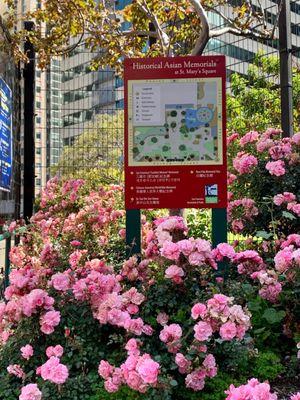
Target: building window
38	104
38	120
38	150
38	135
38	89
120	104
38	182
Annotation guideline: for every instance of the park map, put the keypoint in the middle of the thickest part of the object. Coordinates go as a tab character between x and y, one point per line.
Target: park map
175	122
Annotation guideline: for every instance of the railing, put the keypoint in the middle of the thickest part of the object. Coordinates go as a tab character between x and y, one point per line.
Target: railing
5	274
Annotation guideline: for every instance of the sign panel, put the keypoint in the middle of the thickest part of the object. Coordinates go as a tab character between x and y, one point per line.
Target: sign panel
5	136
175	132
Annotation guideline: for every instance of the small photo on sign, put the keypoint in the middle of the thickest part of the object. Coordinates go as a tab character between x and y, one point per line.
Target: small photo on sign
211	193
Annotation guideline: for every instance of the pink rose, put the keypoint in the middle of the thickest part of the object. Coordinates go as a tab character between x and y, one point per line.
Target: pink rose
105	370
54	371
48	321
162	318
276	167
175	273
132	347
30	392
170	250
228	331
203	331
198	310
170	333
27	351
148	370
244	162
185	246
182	362
54	351
60	282
16	370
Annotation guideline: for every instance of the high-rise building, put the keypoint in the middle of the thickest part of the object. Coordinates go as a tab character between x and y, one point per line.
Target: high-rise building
53	114
85	93
240	51
40	107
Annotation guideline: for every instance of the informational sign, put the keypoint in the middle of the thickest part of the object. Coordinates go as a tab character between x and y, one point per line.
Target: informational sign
175	132
5	136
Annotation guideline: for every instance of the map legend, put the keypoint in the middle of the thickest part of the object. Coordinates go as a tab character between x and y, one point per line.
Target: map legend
146	105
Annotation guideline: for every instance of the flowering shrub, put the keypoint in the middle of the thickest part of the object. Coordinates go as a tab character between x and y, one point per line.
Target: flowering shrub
73	308
264	183
80	321
254	390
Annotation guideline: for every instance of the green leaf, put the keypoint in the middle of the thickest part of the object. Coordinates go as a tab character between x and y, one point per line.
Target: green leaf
259	330
263	234
173	383
273	316
288	215
254	305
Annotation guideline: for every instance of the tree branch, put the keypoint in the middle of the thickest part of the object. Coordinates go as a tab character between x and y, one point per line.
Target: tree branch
5	30
162	36
239	32
140	33
203	38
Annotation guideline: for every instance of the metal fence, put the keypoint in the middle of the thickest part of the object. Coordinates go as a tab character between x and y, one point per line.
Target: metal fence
83	112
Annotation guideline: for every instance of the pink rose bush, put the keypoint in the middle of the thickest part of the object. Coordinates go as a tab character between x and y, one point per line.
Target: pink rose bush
138	371
264	171
156	322
253	390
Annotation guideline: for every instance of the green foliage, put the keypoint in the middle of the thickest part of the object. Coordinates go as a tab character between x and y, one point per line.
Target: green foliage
199	223
96	154
254	103
267	366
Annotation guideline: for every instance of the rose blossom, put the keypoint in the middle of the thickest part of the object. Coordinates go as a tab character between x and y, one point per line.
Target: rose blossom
16	370
105	370
170	250
182	362
198	310
148	370
132	347
30	392
228	331
203	331
49	320
55	351
162	318
54	371
60	282
276	167
175	273
252	390
244	162
170	333
27	351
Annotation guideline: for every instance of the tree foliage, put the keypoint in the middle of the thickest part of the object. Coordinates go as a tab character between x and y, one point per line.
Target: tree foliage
97	152
254	100
176	27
